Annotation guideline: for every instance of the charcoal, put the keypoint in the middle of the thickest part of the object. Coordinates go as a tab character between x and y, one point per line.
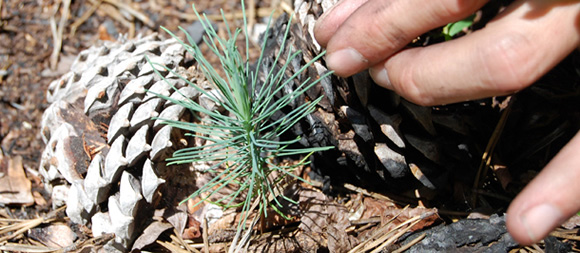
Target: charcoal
467	235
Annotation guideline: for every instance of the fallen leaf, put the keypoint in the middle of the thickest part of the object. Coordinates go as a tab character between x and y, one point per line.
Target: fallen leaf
56	236
193	229
15	188
151	234
317	210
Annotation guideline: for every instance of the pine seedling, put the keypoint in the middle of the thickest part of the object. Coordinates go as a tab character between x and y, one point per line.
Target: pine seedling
243	143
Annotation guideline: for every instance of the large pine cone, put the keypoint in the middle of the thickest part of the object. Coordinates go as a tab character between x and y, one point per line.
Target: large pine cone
386	143
103	143
383	141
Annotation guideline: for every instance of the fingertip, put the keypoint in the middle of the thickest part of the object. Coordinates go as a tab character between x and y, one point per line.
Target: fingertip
380	76
549	199
534	223
346	62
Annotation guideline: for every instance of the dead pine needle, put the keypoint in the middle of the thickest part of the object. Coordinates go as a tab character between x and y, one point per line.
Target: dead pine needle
410	244
18	227
487	155
57	32
171	247
371	242
390	240
205	236
176	237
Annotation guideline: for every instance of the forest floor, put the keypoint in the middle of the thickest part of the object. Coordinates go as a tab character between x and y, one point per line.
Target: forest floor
29	33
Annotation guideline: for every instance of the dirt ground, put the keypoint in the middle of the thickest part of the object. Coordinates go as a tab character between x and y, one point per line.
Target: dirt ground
31	30
27	43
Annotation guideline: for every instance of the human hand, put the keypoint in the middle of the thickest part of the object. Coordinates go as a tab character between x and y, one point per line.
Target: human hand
515	49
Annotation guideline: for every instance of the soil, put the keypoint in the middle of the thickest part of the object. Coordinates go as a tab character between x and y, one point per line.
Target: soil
27	66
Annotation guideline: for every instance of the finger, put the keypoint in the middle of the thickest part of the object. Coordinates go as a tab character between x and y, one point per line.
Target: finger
379	28
549	199
510	53
329	22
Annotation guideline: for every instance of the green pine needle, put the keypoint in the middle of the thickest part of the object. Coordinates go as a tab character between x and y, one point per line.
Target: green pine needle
243	145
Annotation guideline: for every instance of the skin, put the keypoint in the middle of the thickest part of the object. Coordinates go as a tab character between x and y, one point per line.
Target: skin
515	49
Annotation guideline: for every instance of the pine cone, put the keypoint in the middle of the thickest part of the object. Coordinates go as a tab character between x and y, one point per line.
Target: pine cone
102	141
383	141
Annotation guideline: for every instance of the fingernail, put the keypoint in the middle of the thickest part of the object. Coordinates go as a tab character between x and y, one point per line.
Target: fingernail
381	77
346	62
541	220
